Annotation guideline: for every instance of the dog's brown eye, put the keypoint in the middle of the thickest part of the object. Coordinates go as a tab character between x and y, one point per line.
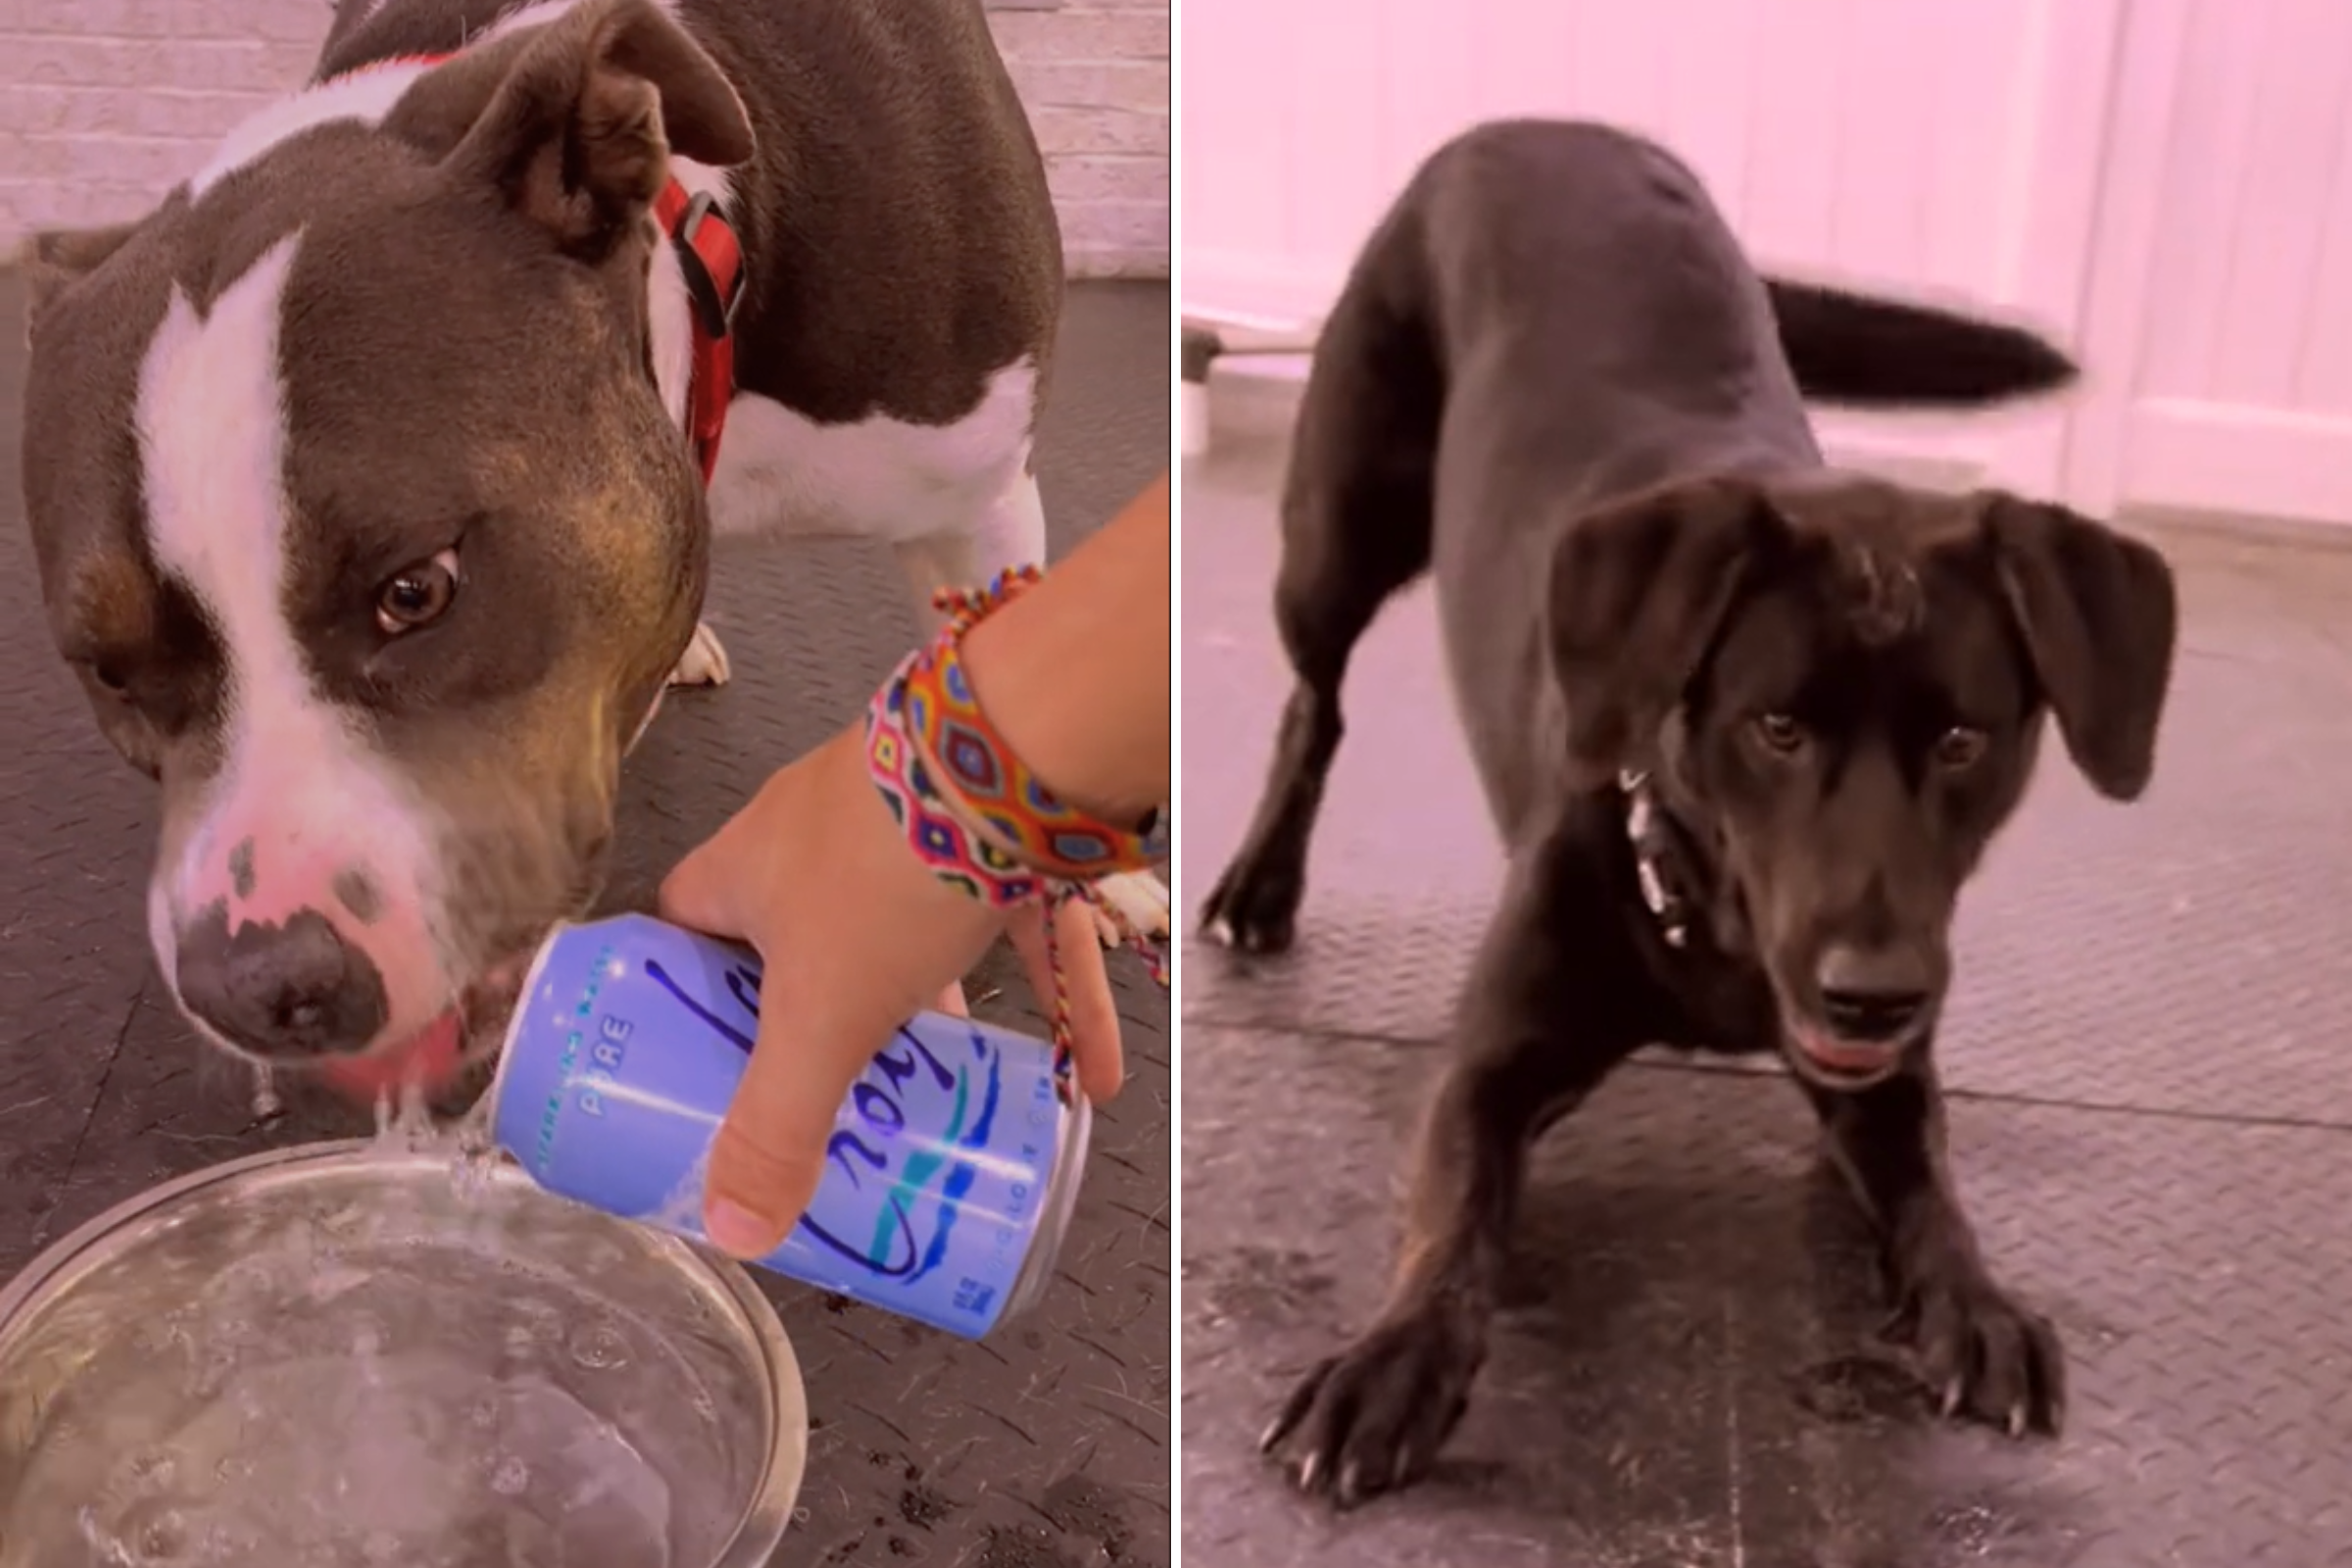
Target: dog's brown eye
109	677
419	595
1958	748
1779	733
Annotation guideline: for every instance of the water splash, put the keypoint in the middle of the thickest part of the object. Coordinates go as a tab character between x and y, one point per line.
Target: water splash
404	1123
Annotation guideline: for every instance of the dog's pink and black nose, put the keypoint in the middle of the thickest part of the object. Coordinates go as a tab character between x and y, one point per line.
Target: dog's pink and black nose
290	990
1876	995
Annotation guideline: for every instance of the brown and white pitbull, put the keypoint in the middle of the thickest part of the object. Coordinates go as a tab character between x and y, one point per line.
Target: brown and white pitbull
359	478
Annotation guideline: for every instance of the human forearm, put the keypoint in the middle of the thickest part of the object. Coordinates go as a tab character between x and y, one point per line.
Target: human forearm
1075	672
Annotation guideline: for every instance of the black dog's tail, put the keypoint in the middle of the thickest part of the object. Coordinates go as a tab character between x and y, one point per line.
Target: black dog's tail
1874	353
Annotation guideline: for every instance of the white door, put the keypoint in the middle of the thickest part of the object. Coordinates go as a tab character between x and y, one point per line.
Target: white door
2220	315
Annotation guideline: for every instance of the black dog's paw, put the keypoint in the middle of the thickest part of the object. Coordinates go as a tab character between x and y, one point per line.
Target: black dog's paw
1371	1420
1254	906
1984	1356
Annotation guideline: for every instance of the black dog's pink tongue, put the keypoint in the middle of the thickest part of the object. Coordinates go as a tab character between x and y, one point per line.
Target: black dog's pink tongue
1840	1056
429	1059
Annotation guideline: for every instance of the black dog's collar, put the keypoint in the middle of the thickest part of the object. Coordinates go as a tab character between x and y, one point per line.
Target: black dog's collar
1657	852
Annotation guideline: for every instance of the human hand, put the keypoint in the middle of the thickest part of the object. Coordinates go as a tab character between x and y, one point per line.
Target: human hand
856	936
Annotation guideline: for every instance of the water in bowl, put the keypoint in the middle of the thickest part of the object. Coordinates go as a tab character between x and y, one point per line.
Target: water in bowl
358	1374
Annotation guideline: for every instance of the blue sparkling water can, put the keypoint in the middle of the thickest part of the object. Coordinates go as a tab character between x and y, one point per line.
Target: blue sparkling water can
950	1178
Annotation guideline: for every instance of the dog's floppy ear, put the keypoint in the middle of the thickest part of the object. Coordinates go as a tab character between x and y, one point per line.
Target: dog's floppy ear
56	259
1638	595
574	121
2098	614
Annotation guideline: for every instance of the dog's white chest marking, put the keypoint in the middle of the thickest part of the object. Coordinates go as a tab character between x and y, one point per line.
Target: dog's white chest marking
212	431
882	478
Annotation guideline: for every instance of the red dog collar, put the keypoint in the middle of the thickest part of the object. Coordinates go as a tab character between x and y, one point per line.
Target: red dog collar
713	261
711	258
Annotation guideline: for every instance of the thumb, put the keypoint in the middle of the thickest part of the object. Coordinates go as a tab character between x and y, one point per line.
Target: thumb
771	1149
699	892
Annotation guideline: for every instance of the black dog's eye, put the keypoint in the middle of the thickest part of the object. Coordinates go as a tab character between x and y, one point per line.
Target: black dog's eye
419	595
1779	734
1959	747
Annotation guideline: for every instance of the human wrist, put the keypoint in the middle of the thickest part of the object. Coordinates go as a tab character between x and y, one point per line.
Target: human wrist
1047	725
1066	672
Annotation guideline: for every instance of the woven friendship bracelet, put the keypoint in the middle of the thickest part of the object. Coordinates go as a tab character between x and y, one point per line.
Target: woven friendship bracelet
924	716
939	837
984	775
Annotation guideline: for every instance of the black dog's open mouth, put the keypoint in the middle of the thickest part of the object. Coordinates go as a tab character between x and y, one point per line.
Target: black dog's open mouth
1840	1063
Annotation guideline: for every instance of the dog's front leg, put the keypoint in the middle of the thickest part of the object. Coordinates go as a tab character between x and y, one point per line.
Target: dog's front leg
1979	1351
1540	1025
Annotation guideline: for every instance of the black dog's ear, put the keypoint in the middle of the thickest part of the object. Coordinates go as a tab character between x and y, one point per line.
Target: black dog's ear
1637	594
2098	614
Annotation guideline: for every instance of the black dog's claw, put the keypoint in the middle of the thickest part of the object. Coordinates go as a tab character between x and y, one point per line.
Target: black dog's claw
1254	906
1294	1408
1988	1359
1371	1420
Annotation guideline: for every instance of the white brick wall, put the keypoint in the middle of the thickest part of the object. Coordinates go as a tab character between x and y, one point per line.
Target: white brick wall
105	104
1094	75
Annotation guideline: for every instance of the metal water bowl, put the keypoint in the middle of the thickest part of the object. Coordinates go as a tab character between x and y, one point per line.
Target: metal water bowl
289	1279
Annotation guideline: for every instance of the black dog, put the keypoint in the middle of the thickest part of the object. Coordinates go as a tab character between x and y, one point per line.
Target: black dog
1745	723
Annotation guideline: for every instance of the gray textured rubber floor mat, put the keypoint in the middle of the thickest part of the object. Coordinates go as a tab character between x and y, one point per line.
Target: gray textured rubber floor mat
2152	1128
1050	1448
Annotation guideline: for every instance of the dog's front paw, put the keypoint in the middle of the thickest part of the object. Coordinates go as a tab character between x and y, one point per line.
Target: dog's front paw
1984	1355
1371	1420
1254	906
705	661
